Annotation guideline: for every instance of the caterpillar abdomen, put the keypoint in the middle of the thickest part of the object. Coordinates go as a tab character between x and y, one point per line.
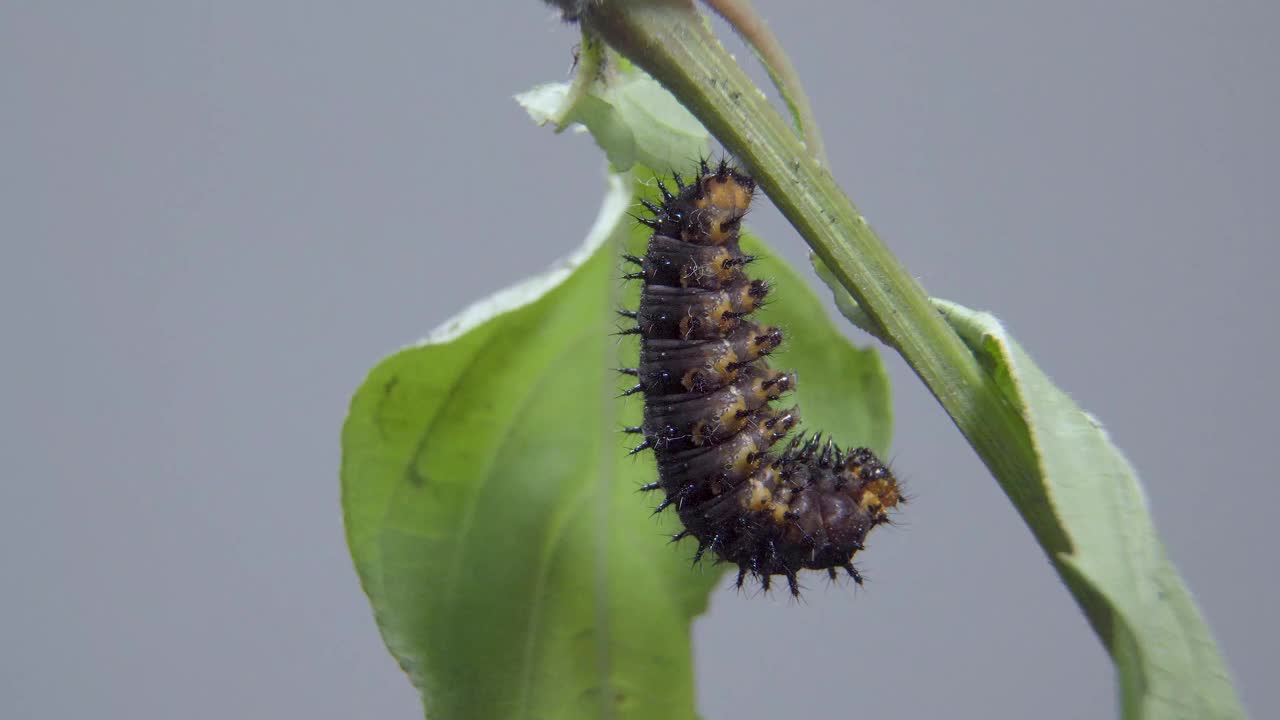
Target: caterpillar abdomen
709	395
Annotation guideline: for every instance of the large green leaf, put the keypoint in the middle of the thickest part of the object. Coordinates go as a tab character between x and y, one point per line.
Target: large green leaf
491	508
1089	500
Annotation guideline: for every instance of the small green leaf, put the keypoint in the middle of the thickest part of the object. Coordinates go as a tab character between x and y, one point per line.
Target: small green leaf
492	511
1117	568
1089	500
632	118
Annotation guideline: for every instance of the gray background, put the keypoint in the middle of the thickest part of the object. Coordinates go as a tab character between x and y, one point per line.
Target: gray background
217	216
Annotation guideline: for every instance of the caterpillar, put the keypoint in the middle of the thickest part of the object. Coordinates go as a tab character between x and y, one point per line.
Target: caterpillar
708	394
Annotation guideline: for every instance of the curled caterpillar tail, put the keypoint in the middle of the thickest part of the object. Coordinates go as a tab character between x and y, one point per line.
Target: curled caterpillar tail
709	394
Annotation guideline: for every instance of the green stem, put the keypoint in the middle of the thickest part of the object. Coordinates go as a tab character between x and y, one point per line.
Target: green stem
747	22
669	40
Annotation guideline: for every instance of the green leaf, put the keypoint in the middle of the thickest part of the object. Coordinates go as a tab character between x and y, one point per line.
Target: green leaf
1088	500
1117	568
491	508
492	514
842	390
632	118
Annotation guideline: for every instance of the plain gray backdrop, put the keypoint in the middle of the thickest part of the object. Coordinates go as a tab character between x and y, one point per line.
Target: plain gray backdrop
216	217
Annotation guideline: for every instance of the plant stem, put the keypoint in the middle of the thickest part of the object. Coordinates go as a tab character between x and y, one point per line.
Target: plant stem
743	18
670	41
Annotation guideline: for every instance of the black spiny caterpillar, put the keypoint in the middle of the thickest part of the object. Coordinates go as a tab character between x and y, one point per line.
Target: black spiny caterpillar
707	394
